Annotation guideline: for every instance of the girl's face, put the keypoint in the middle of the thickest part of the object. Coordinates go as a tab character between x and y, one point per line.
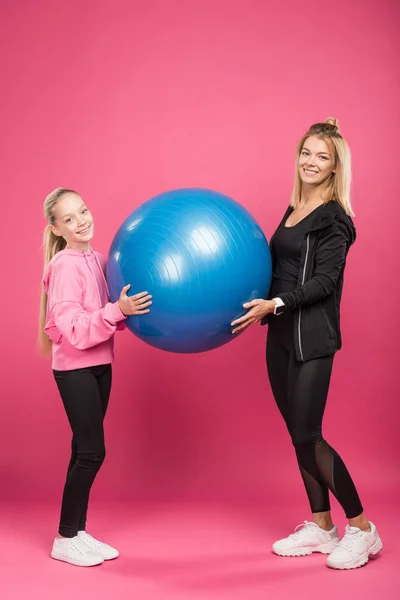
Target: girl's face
316	161
73	222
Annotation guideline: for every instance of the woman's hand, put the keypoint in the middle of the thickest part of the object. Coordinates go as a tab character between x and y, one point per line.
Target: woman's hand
258	309
134	305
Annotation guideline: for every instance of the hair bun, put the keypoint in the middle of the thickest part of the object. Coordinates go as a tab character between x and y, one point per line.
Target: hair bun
334	122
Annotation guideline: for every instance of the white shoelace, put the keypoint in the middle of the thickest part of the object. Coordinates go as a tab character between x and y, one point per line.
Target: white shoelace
91	542
349	540
302	530
78	546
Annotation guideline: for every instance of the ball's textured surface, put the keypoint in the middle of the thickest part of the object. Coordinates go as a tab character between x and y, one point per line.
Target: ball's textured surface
201	255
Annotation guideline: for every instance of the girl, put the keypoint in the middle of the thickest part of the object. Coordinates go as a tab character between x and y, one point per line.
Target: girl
78	323
309	251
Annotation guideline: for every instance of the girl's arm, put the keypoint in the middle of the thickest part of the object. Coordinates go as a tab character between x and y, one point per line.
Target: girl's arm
82	329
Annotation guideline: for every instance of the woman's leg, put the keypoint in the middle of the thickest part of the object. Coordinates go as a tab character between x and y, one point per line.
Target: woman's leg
310	538
80	394
302	402
283	371
278	356
319	463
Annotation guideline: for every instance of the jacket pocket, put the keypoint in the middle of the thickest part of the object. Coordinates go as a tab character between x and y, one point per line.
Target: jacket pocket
331	332
316	333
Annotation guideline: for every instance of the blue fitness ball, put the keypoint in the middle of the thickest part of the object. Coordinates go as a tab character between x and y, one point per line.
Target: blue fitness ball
201	255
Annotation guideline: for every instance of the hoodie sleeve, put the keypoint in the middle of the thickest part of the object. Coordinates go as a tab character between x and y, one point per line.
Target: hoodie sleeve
82	329
103	263
330	258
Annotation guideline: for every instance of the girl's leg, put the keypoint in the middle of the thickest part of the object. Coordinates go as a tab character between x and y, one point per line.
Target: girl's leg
103	374
80	394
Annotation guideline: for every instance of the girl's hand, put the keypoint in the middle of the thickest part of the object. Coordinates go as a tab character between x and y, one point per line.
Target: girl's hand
258	309
134	305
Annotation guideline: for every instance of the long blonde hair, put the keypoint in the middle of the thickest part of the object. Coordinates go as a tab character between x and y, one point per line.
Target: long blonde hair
51	245
338	186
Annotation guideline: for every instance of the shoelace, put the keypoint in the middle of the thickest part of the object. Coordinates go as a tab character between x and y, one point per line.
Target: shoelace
91	541
302	529
349	540
79	547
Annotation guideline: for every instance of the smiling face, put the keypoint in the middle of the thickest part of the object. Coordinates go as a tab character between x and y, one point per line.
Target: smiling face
73	222
316	162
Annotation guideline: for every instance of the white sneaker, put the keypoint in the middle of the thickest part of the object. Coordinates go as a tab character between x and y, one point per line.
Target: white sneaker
106	551
75	552
355	548
306	539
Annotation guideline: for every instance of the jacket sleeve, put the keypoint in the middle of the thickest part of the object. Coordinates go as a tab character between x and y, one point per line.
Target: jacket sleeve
330	257
82	329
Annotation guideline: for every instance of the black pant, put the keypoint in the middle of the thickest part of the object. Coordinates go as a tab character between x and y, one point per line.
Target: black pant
85	394
300	391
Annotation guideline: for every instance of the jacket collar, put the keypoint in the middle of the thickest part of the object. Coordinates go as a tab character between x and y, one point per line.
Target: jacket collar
325	217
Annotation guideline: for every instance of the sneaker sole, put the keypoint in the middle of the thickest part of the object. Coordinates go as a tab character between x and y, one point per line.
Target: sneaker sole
307	550
110	557
75	563
373	551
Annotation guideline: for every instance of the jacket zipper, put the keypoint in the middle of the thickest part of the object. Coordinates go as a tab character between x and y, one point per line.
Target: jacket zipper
302	283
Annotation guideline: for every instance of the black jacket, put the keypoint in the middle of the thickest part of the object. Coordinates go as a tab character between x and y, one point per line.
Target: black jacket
316	299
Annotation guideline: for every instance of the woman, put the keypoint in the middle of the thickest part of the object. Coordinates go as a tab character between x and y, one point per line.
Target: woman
309	251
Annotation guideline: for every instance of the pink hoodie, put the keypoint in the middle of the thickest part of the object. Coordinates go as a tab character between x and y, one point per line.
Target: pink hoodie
81	321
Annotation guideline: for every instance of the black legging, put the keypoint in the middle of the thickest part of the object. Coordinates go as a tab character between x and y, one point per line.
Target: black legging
300	391
85	394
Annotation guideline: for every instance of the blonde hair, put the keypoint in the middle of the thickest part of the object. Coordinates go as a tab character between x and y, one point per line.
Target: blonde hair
51	245
338	186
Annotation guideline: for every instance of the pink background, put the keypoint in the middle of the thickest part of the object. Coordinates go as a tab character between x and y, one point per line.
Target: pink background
123	100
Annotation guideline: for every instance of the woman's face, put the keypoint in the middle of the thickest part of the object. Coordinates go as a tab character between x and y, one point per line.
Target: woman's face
73	221
316	161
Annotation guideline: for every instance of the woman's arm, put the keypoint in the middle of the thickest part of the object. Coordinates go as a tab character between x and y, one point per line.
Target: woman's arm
330	257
